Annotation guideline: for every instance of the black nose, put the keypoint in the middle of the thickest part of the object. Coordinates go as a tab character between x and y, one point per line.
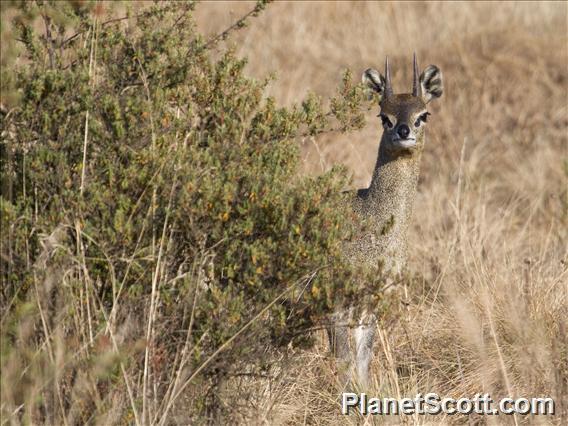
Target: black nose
403	131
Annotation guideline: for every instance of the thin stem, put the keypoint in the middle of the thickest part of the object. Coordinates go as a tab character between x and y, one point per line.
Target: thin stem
49	40
231	340
92	59
238	24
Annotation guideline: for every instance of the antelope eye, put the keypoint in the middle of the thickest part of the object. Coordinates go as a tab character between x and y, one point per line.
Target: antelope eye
421	118
387	124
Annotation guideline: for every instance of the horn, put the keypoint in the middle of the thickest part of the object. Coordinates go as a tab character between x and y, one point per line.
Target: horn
416	87
388	84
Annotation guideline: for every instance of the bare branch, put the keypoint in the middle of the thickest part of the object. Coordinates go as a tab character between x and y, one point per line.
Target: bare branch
240	23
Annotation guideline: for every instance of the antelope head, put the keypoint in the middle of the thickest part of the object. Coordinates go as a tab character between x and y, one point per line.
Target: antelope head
404	116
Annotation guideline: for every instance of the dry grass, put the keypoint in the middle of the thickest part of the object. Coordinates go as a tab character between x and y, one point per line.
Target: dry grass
489	236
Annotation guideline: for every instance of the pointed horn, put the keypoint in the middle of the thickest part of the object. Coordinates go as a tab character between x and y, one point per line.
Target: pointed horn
388	84
416	87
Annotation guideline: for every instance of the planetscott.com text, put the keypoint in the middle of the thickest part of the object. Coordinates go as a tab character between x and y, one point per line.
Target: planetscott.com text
431	403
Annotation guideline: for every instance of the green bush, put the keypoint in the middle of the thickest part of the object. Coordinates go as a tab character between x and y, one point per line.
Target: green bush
153	215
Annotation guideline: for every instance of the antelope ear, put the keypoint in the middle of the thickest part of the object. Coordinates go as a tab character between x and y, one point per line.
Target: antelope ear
374	81
431	82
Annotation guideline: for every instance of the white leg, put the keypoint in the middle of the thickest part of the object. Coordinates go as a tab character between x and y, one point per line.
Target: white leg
364	339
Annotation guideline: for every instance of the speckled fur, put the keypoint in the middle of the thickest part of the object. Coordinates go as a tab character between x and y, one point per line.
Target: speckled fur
387	202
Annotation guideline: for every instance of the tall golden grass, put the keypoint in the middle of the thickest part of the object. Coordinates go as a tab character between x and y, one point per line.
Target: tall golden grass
489	237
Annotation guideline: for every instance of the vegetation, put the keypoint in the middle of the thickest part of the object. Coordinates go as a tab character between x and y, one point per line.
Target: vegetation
488	310
158	240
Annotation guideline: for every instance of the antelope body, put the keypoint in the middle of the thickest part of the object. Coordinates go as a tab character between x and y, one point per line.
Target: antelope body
387	203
